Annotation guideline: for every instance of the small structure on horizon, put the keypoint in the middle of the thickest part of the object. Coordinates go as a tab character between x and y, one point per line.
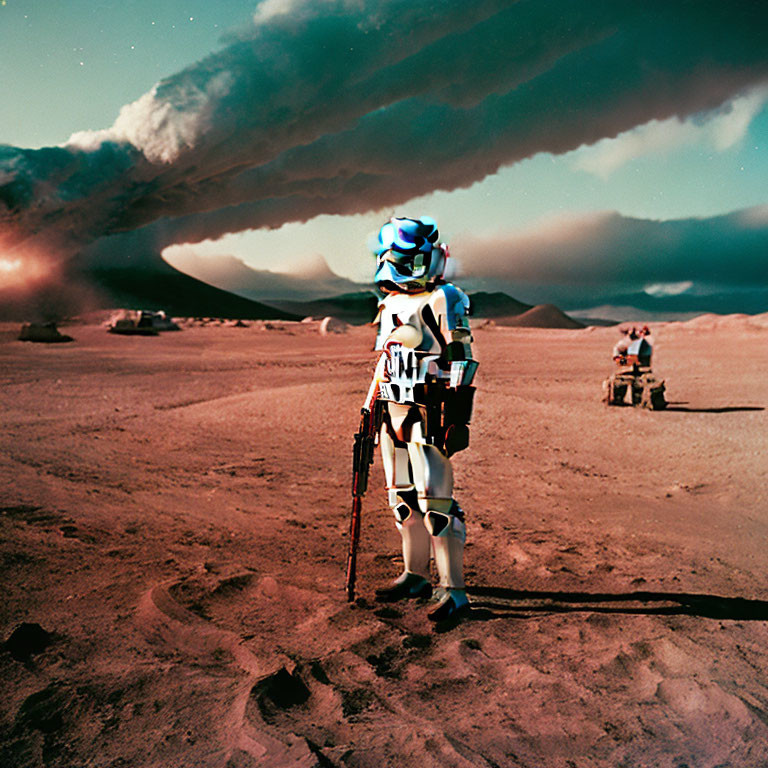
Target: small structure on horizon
332	325
46	333
632	355
142	322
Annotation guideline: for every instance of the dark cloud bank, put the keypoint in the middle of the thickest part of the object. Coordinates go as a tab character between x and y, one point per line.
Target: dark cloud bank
342	107
715	264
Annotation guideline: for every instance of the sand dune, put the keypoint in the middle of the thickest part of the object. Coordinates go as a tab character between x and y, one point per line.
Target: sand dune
709	322
541	316
496	304
174	517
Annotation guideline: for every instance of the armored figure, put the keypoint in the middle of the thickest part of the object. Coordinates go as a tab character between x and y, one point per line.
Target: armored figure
632	356
422	386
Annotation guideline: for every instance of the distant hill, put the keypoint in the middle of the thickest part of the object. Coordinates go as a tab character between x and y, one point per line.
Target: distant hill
635	307
177	294
315	280
355	308
360	307
588	319
496	304
613	315
541	316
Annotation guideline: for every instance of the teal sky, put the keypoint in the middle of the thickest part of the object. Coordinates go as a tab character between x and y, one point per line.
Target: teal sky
69	65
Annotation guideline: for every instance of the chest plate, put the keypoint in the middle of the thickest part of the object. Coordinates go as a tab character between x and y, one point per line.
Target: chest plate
402	368
406	364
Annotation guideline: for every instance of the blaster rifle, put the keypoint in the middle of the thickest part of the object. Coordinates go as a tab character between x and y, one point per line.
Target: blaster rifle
362	458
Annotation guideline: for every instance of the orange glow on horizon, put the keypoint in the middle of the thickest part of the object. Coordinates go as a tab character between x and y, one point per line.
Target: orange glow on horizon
6	265
20	272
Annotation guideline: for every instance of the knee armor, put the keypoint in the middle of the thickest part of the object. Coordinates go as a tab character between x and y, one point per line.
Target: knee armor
445	524
405	507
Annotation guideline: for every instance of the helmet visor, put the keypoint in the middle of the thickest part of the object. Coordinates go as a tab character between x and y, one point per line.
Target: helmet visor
406	264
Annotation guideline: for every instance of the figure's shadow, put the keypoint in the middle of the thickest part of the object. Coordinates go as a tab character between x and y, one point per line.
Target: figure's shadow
499	603
681	407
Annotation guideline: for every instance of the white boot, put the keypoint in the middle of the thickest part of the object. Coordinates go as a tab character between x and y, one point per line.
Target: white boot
448	535
414	581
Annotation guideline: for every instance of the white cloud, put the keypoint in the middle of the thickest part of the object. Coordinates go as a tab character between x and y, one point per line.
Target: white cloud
269	9
668	289
156	126
755	218
729	128
718	131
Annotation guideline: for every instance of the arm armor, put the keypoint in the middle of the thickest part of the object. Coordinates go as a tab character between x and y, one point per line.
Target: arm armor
457	353
449	402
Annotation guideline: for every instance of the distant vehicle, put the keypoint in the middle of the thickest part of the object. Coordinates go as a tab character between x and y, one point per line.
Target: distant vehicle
632	354
42	332
142	322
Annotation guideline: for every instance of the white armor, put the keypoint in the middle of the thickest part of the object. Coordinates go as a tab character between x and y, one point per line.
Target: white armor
425	341
632	351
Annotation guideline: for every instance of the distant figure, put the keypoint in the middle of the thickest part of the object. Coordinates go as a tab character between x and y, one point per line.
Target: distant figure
423	382
633	351
621	347
632	355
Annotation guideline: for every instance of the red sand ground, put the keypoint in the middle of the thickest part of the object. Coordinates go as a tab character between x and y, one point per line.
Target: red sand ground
174	511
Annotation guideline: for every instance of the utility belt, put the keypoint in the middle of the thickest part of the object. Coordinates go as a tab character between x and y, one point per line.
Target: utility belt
448	411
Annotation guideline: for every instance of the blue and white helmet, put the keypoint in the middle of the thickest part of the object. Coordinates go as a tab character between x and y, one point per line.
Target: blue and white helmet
408	256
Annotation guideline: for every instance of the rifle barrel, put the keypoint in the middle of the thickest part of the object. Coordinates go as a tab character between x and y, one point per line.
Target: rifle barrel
354	537
362	458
